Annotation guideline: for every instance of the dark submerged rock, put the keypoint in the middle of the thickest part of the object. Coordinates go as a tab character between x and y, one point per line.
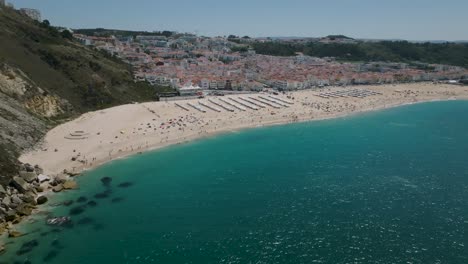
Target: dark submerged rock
56	244
125	184
68	202
92	203
50	256
27	247
106	181
117	200
77	210
103	195
82	199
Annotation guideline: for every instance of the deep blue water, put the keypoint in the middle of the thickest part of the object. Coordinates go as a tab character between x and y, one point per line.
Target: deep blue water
382	187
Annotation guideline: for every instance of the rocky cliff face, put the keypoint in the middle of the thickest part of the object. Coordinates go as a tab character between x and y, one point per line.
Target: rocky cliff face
46	79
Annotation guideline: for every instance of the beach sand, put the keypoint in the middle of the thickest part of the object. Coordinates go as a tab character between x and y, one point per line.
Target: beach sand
98	137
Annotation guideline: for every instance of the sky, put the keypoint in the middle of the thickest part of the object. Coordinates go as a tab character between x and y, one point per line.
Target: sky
374	19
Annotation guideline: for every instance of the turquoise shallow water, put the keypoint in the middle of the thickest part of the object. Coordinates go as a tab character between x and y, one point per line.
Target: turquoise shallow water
382	187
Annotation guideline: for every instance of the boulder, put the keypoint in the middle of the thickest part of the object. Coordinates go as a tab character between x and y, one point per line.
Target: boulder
45	186
2	190
38	170
29	197
10	216
39	189
42	200
28	167
43	178
3	227
16	199
60	178
2	249
24	209
14	233
28	176
58	188
20	184
70	185
6	201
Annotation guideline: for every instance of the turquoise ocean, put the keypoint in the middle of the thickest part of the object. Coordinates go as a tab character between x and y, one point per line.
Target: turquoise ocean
383	187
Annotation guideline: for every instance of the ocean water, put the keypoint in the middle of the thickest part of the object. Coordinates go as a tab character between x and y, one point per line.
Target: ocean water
381	187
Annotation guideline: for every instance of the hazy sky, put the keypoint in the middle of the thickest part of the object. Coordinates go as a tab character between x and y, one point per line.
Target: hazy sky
402	19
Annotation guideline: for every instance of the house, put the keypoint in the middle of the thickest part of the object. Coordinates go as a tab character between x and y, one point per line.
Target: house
205	83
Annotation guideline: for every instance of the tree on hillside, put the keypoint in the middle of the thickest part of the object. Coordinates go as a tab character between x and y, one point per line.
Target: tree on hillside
45	23
66	34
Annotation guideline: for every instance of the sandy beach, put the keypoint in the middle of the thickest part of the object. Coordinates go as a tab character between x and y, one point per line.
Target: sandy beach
98	137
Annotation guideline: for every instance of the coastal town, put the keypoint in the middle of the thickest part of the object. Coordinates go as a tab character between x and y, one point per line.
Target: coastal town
198	65
192	64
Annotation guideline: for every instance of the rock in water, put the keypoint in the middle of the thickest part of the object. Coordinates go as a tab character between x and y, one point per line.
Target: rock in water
42	200
68	202
51	255
77	210
27	247
82	199
14	233
103	195
70	185
92	203
117	200
125	184
106	181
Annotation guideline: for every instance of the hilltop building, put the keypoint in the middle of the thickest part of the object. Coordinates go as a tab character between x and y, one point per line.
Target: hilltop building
32	13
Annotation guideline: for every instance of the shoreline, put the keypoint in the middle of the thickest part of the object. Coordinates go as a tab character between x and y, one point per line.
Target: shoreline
240	129
125	125
77	168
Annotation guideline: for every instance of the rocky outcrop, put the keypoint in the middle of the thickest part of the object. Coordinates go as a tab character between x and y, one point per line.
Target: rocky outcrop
48	106
19	198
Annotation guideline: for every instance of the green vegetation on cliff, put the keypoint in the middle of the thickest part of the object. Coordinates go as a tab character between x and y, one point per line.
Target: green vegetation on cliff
391	51
46	78
103	32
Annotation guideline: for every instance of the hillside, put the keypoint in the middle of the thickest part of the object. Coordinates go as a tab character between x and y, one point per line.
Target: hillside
103	32
46	78
390	51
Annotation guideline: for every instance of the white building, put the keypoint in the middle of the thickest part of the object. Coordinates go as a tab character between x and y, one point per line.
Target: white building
190	90
205	84
32	13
